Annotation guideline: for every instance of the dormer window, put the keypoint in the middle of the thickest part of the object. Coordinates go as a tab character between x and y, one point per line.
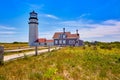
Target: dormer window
64	36
60	36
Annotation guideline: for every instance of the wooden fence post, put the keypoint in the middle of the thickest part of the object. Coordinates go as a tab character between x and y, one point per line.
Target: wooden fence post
48	48
36	50
1	54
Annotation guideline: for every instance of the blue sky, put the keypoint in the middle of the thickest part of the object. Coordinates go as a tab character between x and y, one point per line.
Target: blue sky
95	19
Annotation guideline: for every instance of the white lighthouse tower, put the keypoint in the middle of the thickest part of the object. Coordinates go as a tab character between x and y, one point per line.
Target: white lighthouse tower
33	28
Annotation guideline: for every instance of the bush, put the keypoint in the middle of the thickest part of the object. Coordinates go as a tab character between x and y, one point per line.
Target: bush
106	47
15	42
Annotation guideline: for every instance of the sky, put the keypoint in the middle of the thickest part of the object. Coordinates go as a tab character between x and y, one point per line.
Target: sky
96	20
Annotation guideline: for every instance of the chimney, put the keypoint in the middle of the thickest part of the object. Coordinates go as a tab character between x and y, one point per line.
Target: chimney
77	32
63	30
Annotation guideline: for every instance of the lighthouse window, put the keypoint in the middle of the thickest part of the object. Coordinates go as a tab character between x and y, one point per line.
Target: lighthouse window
33	15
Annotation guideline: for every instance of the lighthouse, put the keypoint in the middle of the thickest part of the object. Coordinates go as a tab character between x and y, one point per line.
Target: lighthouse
33	28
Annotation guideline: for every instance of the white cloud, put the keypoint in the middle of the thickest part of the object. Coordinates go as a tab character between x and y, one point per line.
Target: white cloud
6	28
46	34
95	30
104	30
84	15
110	22
77	23
7	33
51	16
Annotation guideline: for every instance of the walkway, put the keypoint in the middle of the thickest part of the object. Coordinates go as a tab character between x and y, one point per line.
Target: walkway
20	55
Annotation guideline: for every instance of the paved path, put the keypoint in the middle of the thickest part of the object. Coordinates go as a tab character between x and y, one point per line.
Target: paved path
20	55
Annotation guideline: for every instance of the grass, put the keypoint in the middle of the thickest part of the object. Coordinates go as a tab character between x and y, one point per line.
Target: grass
10	46
69	63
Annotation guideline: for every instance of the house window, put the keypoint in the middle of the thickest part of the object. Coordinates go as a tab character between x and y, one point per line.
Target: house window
71	42
60	41
60	36
45	44
64	41
56	41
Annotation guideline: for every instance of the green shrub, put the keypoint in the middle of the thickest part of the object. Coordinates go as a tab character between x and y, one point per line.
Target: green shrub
50	73
106	47
2	77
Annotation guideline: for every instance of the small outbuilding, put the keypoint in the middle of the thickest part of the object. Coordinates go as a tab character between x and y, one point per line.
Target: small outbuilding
44	42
